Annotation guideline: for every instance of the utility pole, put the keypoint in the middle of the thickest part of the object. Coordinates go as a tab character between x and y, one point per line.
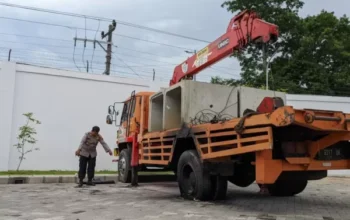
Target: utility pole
154	74
109	45
87	66
93	41
9	57
109	35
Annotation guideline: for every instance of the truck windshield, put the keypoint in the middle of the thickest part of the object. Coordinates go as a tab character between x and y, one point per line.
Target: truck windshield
124	116
125	112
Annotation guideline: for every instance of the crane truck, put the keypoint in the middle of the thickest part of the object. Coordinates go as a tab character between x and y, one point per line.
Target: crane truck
247	135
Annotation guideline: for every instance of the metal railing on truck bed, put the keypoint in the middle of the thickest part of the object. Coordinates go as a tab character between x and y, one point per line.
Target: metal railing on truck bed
311	130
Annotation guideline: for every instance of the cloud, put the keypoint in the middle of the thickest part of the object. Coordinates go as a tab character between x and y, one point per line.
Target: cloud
165	24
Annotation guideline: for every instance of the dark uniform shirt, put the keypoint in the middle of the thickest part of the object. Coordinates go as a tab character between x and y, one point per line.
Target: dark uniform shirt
89	143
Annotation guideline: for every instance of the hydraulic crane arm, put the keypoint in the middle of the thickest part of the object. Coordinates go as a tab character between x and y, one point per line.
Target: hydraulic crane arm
243	29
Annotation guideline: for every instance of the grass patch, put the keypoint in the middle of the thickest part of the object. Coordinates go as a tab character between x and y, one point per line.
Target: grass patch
49	172
72	172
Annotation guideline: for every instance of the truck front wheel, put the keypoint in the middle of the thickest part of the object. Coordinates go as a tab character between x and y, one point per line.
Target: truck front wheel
193	182
124	171
287	187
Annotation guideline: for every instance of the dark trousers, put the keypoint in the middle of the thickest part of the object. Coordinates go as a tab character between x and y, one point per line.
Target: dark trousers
88	162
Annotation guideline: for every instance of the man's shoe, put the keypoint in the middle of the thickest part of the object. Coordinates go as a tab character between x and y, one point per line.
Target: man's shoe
80	184
90	183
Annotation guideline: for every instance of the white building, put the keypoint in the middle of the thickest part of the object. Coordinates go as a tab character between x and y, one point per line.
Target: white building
70	103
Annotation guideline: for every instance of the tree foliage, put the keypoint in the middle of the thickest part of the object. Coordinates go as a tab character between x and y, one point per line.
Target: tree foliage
321	62
226	82
312	53
26	136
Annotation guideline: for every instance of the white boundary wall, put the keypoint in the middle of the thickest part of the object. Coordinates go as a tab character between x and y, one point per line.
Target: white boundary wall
332	103
70	103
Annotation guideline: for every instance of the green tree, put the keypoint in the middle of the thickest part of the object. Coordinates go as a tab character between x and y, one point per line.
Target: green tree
26	136
320	63
312	52
234	82
227	82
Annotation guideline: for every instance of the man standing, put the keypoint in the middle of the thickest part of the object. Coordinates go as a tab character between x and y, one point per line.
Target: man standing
87	152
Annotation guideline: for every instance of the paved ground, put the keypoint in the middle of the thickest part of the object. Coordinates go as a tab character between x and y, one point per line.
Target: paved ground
325	199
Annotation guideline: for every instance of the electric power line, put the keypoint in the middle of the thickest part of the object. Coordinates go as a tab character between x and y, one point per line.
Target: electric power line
102	19
59	64
67	47
83	55
99	19
339	90
45	55
87	29
74	55
144	52
224	72
60	53
123	48
19	59
153	42
125	64
44	38
93	52
65	60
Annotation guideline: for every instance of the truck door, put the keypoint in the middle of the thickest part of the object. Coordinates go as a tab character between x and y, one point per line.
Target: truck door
130	119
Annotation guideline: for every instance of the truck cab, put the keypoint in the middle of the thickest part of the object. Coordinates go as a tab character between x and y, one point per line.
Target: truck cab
131	122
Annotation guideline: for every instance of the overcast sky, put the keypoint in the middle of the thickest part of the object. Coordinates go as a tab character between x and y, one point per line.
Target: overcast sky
202	19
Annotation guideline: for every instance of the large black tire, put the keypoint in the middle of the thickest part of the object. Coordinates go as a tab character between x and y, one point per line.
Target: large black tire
219	187
287	187
124	171
193	182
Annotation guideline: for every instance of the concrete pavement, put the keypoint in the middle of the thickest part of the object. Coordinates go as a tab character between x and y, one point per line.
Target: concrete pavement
327	199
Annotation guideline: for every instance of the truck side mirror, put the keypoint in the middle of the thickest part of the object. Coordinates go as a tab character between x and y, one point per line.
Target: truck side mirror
109	119
110	110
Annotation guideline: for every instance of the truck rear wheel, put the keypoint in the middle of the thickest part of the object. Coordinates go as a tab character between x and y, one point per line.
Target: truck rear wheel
124	172
193	182
287	187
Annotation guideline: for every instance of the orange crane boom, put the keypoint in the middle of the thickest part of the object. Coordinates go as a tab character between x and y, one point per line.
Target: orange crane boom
244	28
